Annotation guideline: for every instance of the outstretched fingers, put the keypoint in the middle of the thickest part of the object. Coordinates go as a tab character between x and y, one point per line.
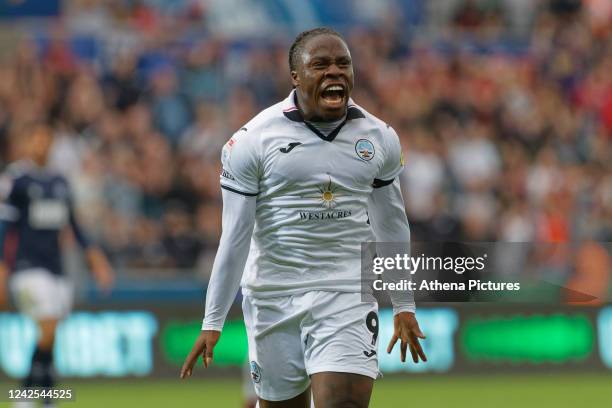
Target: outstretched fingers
415	356
199	348
403	348
416	346
392	343
207	356
187	368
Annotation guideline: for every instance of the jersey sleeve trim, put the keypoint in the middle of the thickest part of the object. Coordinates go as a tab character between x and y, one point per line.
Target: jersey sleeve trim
377	183
233	190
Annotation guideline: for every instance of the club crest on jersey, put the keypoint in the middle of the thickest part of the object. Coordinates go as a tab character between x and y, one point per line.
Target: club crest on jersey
255	372
364	149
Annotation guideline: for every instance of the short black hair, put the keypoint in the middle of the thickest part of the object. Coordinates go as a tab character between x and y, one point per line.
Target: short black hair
298	45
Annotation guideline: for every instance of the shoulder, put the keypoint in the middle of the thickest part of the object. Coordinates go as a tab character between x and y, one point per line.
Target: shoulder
18	169
249	137
385	137
376	127
266	119
57	176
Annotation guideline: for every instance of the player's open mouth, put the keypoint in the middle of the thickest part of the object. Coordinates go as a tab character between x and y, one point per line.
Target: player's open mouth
333	94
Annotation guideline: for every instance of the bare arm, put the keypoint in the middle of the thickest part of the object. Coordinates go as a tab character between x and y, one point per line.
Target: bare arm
100	267
96	259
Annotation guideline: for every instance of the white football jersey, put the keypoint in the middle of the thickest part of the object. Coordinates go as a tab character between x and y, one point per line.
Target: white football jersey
312	196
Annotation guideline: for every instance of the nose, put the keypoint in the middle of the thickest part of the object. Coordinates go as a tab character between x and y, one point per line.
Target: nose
333	70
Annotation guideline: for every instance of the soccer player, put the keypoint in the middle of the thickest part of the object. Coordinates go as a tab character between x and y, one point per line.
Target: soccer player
304	183
35	207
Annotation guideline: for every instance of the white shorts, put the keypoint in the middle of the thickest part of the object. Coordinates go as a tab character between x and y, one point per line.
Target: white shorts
40	294
293	337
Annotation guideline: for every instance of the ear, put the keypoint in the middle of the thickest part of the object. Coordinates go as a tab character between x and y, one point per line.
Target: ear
295	81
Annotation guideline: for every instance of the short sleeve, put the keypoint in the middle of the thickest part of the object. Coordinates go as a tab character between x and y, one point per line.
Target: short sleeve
8	207
393	163
6	186
240	161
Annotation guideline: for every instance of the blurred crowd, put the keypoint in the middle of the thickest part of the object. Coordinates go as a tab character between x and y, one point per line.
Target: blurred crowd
501	143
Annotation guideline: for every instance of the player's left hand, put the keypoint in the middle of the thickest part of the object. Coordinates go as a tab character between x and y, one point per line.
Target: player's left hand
406	328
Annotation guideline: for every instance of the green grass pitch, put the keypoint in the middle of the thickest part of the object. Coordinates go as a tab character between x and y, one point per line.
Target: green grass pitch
496	391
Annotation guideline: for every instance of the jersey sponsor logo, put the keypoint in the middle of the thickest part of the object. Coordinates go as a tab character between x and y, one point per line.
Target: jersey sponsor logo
325	215
48	214
289	147
328	193
364	149
255	372
328	196
227	174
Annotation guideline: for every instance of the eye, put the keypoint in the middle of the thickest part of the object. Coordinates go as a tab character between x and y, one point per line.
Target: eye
344	63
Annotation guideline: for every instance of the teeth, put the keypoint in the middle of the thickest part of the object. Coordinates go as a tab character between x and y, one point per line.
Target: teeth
334	88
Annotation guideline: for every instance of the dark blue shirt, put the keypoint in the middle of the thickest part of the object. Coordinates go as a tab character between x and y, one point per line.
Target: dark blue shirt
35	206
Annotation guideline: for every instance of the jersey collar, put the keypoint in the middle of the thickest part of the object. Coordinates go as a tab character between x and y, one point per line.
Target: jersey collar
291	112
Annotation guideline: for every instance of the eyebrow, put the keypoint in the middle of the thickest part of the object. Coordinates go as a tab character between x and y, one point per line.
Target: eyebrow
327	58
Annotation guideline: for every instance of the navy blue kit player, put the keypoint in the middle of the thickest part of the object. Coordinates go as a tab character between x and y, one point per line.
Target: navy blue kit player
35	209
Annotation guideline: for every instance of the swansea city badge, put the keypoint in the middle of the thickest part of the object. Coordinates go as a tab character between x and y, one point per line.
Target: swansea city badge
255	372
364	149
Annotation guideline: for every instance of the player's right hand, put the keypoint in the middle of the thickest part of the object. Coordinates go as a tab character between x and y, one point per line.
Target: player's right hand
102	270
3	298
203	346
